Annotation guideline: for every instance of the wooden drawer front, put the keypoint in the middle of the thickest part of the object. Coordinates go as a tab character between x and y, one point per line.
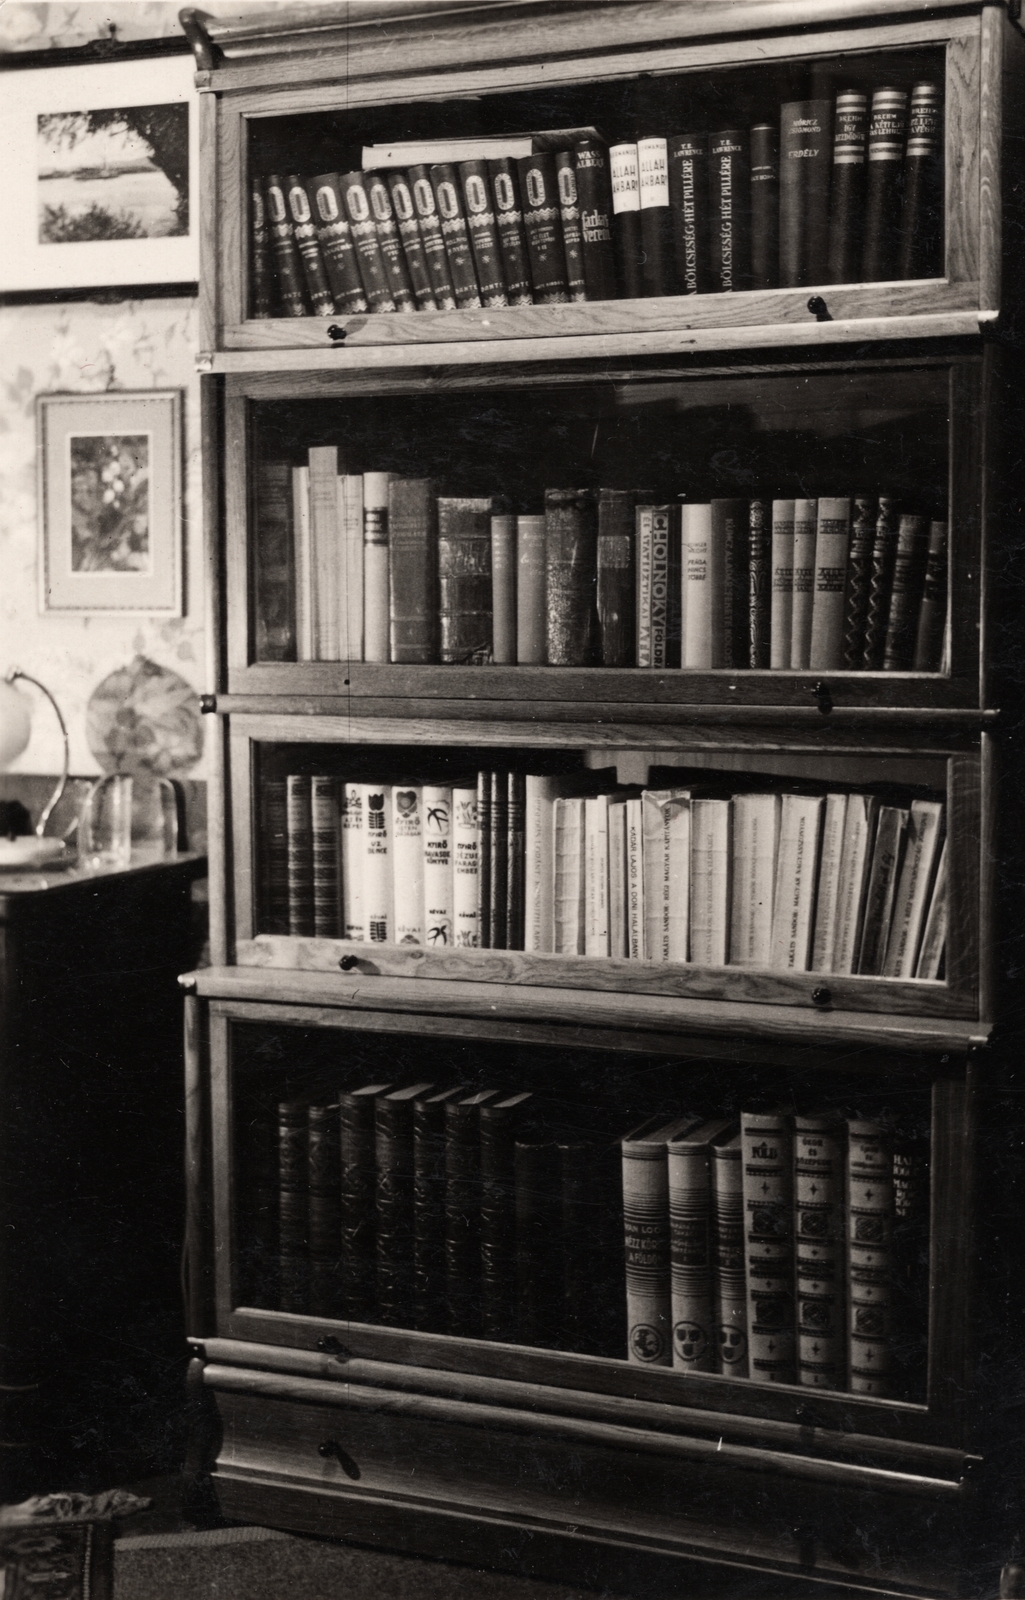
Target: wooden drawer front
361	1445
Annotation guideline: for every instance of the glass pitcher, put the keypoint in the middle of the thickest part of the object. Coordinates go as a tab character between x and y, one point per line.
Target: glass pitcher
130	815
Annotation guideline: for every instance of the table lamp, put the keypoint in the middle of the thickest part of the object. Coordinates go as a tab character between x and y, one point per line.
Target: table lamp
33	852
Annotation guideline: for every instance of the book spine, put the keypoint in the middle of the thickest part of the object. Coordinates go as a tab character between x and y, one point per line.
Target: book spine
305	570
261	271
285	249
882	887
805	159
357	1203
759	617
764	206
646	1237
794	896
503	588
377	866
886	131
512	240
300	856
782	604
350	617
858	827
869	1257
336	242
465	870
376	609
932	617
531	607
832	542
569	216
437	866
818	1248
392	253
687	156
325	553
616	577
543	225
353	852
433	238
293	1207
275	565
806	518
498	1221
847	199
755	837
767	1155
925	826
568	831
516	803
594	190
703	570
326	842
596	875
690	1253
729	1257
393	1194
884	555
655	857
412	569
827	899
499	858
407	851
626	219
273	916
934	935
429	1213
909	565
571	577
619	942
657	274
634	880
657	596
539	802
462	1218
730	530
480	222
729	184
859	577
709	882
366	243
304	230
484	858
258	1185
464	580
910	1269
445	179
409	235
921	221
590	1290
538	1244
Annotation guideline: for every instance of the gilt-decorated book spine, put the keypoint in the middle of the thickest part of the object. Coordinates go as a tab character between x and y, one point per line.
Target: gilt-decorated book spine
805	157
569	216
285	249
261	271
429	1208
759	582
499	1122
870	1257
616	576
818	1246
512	240
571	574
880	588
516	810
538	1297
445	178
646	1239
688	198
767	1153
484	858
293	1207
412	569
543	225
433	238
393	1189
594	191
729	210
304	229
462	1213
325	1217
464	579
886	136
921	220
366	243
764	206
729	1258
325	827
859	579
657	274
357	1199
626	219
392	253
274	856
847	197
480	221
336	242
412	243
909	565
932	617
300	856
499	857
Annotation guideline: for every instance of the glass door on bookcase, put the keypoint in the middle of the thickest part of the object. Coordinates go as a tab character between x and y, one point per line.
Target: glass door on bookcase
804	538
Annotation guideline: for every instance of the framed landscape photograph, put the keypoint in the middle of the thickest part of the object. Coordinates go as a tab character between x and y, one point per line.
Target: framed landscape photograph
100	162
110	502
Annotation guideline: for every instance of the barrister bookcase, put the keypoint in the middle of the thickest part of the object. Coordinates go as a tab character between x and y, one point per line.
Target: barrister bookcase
552	1458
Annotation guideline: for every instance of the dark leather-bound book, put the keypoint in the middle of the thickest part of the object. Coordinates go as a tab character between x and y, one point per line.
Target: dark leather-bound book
932	617
921	218
300	855
325	839
884	555
484	778
571	572
480	220
886	133
285	249
336	242
594	192
304	229
275	560
500	1121
429	1207
617	577
392	253
805	159
626	219
538	1243
687	155
729	210
412	569
499	886
448	195
261	271
464	579
393	1191
764	206
409	235
367	245
539	191
730	531
591	1247
759	582
293	1207
569	215
325	1216
906	593
515	826
422	190
847	194
864	511
357	1199
657	271
462	1212
273	910
512	240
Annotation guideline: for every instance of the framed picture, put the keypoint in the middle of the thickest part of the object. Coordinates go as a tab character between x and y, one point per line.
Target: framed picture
99	168
110	502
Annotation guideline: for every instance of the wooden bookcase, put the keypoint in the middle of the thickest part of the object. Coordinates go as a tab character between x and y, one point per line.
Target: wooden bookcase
551	1461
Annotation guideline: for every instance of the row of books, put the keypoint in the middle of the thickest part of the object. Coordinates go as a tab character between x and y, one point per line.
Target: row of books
387	569
716	869
825	193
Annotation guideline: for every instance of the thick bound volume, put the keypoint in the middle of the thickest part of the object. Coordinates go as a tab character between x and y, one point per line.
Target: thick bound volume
484	859
353	852
730	532
805	157
646	1237
358	1213
293	1206
906	593
687	156
869	1257
729	210
503	587
923	839
261	274
616	580
516	808
409	236
375	566
274	856
433	238
571	572
275	561
392	253
531	614
462	1211
326	844
445	178
539	190
304	230
690	1246
393	1158
626	219
464	579
818	1244
884	556
465	870
512	240
728	1256
429	1208
759	582
657	276
499	886
594	193
569	214
367	245
859	579
412	567
847	201
480	221
764	206
832	540
658	586
286	251
336	242
703	569
536	1169
886	130
921	219
782	584
910	1279
499	1122
767	1153
932	616
806	516
300	855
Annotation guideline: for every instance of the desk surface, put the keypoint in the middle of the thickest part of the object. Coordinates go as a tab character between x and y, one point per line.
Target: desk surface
15	885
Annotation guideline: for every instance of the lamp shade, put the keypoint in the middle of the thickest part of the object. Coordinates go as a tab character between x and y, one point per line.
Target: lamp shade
15	724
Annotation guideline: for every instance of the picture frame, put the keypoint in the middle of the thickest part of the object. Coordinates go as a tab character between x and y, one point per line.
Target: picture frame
101	161
110	502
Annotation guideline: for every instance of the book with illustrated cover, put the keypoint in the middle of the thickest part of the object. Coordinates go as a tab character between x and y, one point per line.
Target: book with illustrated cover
692	1264
647	1239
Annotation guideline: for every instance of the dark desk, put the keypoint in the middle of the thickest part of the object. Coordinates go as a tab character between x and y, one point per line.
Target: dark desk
91	1170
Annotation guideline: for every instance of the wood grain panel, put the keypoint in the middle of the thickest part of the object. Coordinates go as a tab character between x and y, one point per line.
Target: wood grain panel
969	448
237	496
211	317
991	156
964	826
243	840
198	1254
233	212
961	161
953	1244
222	1145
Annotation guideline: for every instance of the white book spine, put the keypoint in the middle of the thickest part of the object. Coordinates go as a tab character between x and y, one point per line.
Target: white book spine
326	549
377	875
407	846
832	542
859	825
437	826
465	869
704	582
539	901
596	875
691	1299
569	876
376	607
827	898
646	1227
634	880
655	855
781	624
351	619
353	856
805	528
676	899
794	899
755	841
305	648
709	882
925	825
934	939
618	937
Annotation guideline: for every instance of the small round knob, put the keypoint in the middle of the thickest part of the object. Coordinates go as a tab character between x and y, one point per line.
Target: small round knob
347	963
821	997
